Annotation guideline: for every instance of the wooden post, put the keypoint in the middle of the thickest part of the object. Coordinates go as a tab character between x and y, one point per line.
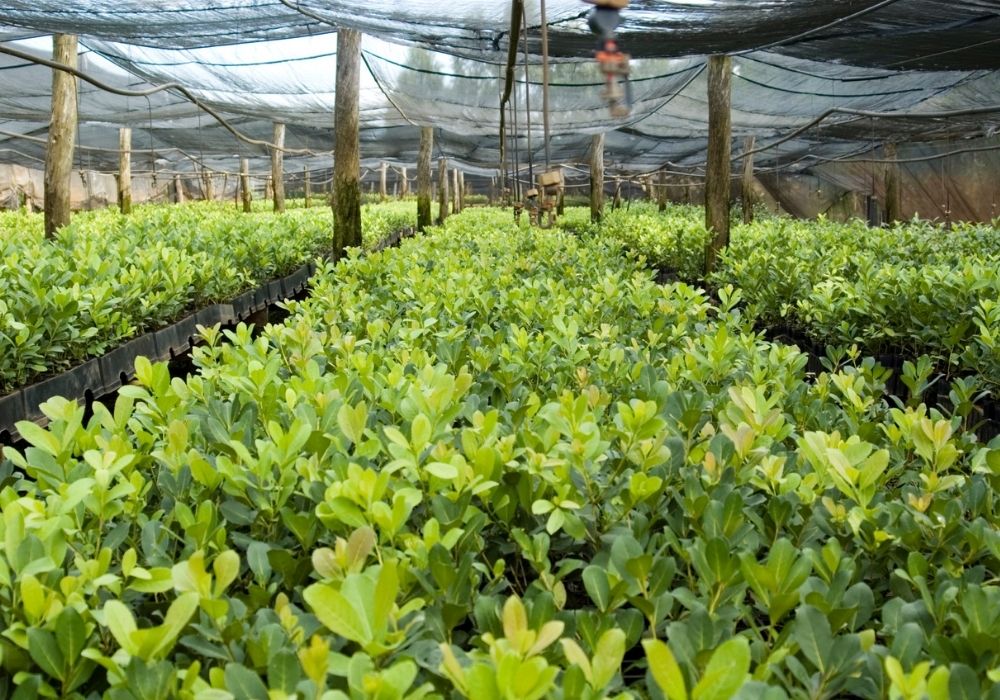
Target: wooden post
62	136
747	189
718	169
307	185
461	189
383	182
125	170
278	167
596	177
442	190
207	186
424	178
178	189
404	185
269	187
245	185
893	193
347	157
456	192
616	202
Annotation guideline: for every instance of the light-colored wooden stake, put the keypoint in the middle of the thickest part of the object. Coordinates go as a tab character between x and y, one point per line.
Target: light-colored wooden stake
245	185
62	136
718	169
596	177
125	170
178	189
383	182
442	190
404	185
307	186
456	192
278	167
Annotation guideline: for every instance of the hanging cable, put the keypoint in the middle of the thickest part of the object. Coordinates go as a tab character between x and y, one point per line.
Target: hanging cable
527	103
545	82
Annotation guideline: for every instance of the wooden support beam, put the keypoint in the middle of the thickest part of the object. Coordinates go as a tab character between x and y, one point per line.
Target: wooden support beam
125	170
347	147
62	136
893	191
747	194
442	190
383	182
596	177
278	167
718	169
404	184
461	189
424	178
208	185
307	186
178	189
616	201
661	193
245	185
456	192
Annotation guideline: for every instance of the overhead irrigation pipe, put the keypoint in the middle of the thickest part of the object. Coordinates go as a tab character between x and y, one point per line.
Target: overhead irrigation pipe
946	114
152	91
830	25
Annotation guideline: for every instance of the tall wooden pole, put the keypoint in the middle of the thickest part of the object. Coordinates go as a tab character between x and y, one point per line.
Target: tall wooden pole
404	185
207	186
461	189
346	151
596	177
661	194
62	136
456	192
125	170
893	192
245	185
747	190
383	182
718	169
307	186
178	189
442	190
424	178
278	167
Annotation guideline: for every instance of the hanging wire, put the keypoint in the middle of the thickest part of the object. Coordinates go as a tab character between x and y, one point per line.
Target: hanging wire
527	100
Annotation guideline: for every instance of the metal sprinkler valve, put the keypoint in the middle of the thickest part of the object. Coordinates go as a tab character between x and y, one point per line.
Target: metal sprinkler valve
604	20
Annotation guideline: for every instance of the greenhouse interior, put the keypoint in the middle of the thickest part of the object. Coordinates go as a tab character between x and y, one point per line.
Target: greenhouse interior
570	349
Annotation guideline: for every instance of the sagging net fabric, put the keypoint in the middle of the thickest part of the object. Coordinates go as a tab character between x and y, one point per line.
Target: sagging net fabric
442	65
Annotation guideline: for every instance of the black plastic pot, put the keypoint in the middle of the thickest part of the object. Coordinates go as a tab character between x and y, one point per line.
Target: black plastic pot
72	385
121	360
243	305
11	411
274	291
260	299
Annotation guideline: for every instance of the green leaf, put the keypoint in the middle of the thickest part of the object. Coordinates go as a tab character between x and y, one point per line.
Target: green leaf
964	683
284	671
226	568
119	621
259	563
442	470
726	671
337	613
244	684
664	669
812	634
71	633
44	651
608	657
595	580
